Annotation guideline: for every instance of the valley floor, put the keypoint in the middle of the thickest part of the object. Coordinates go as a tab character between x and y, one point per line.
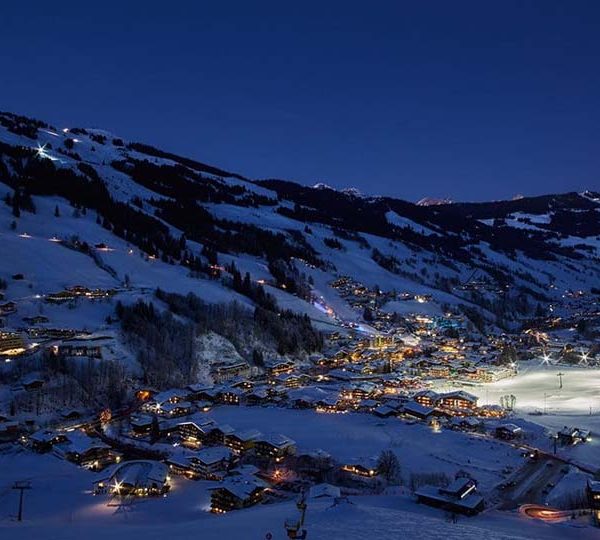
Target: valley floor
60	507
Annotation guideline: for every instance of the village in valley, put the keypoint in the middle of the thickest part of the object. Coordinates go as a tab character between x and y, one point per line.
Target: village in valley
258	361
335	426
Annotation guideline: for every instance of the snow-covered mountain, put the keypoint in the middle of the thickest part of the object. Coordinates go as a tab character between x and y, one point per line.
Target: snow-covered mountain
128	213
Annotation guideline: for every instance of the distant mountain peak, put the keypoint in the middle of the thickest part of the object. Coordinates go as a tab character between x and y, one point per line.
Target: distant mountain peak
352	191
432	201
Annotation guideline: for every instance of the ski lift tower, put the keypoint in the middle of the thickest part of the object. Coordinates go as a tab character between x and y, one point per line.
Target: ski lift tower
294	526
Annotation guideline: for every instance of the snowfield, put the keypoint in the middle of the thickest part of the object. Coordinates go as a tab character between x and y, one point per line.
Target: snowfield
353	435
60	507
536	388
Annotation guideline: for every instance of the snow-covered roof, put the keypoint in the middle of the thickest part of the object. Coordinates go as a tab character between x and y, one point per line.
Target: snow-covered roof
278	440
247	435
79	443
213	454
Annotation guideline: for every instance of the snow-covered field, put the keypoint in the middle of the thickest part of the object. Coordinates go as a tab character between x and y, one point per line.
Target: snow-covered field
48	266
537	390
60	507
353	435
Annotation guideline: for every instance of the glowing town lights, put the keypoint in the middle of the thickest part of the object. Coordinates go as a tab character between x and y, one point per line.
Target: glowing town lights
117	487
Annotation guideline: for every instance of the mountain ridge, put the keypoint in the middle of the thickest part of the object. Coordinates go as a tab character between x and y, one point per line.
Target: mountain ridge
201	217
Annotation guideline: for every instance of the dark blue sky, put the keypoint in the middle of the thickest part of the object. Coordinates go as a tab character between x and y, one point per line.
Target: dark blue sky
471	100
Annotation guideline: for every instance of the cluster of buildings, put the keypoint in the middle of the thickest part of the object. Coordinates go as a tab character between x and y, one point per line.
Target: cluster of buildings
359	295
75	446
76	292
391	374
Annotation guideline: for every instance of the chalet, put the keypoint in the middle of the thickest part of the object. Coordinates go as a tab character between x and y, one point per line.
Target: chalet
52	333
139	478
174	395
141	424
367	405
458	400
315	464
230	396
291	380
421	367
237	493
360	391
328	404
277	393
78	291
459	497
242	441
384	411
304	401
181	465
257	397
224	372
418	411
242	383
218	434
212	463
11	343
205	393
195	392
508	432
572	435
351	376
83	450
364	468
427	398
180	408
90	347
196	431
494	373
274	446
467	423
280	367
42	441
439	371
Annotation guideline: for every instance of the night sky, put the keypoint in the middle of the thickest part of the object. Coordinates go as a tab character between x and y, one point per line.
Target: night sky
467	100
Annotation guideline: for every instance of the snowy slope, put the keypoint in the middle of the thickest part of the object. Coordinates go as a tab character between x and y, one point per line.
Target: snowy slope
433	249
61	507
